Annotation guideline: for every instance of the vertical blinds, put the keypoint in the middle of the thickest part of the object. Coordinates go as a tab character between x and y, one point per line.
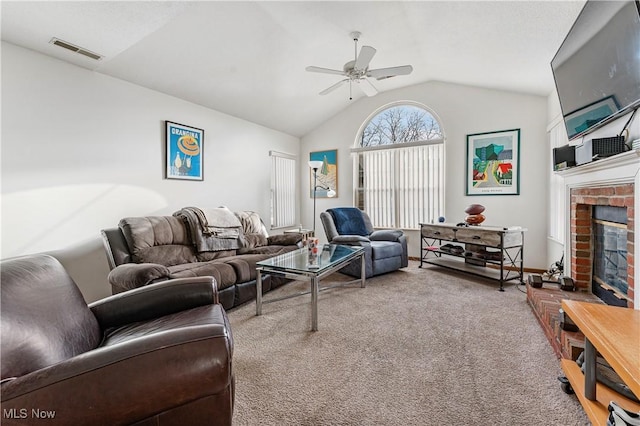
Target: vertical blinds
403	187
283	190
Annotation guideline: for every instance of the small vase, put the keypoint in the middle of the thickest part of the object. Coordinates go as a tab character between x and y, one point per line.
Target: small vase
312	247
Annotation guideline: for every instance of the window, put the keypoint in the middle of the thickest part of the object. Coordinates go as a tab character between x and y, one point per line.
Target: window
283	189
399	165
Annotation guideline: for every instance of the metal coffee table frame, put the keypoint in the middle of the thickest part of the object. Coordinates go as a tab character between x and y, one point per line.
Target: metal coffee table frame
294	265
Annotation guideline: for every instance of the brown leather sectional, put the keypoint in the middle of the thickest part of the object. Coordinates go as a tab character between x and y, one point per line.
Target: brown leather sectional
145	250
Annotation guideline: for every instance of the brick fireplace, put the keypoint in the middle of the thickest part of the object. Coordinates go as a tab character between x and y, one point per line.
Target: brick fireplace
583	200
607	182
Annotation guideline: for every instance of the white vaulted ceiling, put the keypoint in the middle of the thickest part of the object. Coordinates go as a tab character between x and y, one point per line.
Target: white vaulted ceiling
248	59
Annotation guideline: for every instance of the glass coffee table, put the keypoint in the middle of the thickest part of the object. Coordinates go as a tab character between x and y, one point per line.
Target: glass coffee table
295	265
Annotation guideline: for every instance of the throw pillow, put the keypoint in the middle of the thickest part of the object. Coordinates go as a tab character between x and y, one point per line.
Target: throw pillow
349	221
284	239
251	223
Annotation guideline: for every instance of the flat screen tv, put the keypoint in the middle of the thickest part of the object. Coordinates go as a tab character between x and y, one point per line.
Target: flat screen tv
597	68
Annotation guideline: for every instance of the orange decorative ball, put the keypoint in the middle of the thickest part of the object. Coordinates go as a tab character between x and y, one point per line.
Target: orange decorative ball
475	219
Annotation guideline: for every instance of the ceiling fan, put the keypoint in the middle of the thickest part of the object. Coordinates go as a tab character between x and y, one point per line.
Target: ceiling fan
357	71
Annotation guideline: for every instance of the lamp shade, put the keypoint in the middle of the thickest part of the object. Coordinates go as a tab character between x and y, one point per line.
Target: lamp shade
315	164
331	193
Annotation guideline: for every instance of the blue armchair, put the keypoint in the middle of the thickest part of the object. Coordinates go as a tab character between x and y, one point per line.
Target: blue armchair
385	250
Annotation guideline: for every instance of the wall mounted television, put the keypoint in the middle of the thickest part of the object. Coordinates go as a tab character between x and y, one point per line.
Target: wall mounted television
597	67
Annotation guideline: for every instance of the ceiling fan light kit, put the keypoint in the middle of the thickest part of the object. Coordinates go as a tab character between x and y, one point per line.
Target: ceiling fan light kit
357	71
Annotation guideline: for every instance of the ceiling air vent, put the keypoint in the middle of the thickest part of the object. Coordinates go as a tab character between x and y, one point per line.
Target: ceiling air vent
75	48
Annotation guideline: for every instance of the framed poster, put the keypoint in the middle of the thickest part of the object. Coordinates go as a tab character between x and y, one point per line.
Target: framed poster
327	174
493	163
183	151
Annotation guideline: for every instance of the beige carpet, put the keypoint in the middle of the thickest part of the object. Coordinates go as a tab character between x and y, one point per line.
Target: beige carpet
415	347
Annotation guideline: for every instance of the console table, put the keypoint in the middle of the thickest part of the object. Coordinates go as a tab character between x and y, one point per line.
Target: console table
490	252
614	332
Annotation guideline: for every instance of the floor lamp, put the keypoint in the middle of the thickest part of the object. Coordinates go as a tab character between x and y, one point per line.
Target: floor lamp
315	165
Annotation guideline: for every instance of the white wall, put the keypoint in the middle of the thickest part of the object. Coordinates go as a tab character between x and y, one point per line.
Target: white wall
462	110
81	150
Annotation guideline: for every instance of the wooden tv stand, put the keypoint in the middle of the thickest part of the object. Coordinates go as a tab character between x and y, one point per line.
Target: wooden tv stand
614	332
504	262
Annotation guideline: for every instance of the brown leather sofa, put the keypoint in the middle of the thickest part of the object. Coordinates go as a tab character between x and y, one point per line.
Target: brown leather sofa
145	250
158	355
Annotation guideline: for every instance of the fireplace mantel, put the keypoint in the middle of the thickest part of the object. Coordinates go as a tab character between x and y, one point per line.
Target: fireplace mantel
623	168
608	165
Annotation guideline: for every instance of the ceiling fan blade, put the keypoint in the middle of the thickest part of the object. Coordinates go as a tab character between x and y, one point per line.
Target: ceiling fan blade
365	56
366	86
324	70
382	73
334	87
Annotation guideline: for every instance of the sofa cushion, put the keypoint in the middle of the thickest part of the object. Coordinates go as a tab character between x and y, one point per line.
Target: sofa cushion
206	256
158	239
245	264
254	240
271	250
223	273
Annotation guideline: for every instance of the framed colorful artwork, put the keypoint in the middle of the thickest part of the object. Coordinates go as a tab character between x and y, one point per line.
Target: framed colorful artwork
183	151
493	163
327	177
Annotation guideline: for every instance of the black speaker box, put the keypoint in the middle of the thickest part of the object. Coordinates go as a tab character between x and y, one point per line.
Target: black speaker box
563	157
535	280
566	283
606	147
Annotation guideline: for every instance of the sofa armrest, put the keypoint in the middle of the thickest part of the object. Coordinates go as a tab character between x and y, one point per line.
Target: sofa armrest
291	239
155	300
386	235
162	371
356	240
116	247
134	275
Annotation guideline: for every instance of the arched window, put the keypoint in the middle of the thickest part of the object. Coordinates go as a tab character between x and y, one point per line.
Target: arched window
400	167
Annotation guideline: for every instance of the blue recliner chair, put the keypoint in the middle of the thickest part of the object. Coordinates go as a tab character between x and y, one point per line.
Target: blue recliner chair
385	250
